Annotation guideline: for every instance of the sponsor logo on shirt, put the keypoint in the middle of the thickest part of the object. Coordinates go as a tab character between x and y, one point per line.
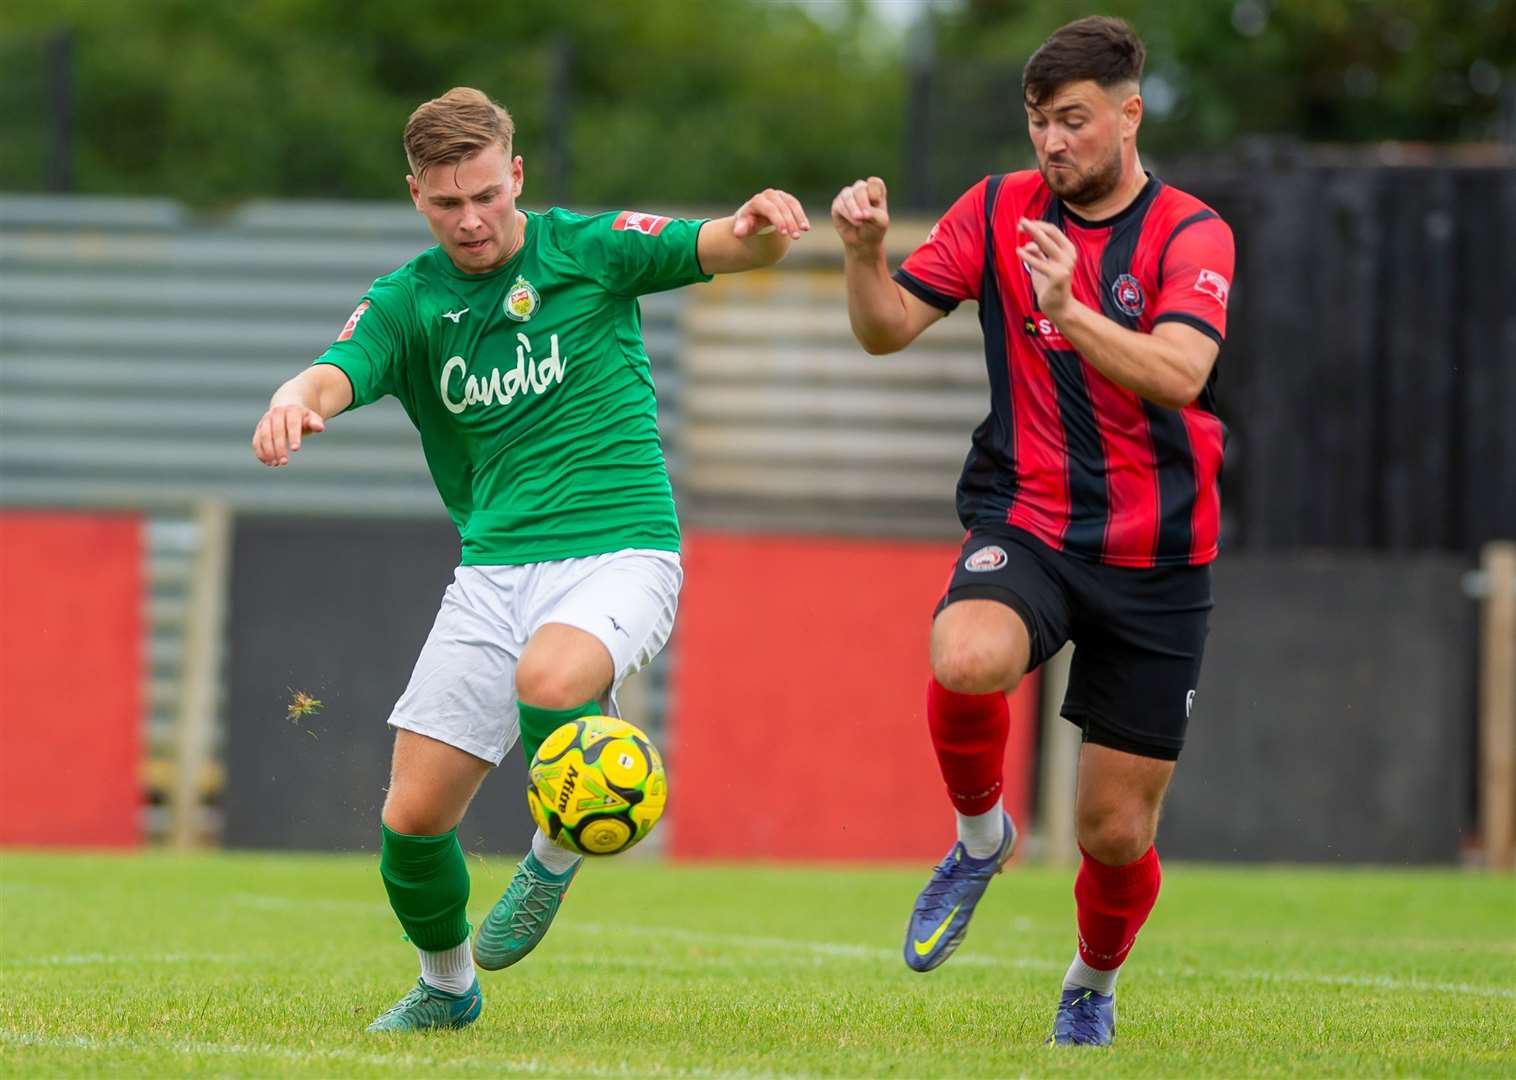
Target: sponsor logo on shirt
985	559
455	315
521	301
530	375
1041	327
1213	285
352	321
1127	292
633	221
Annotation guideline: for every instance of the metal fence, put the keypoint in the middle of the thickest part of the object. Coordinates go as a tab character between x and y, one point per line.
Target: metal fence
140	342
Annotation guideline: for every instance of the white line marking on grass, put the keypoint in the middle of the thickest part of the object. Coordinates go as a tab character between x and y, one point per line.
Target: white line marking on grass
286	903
1373	982
816	948
865	952
494	1062
81	959
871	952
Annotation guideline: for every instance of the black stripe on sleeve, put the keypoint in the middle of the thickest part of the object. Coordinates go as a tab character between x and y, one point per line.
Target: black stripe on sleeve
1194	219
924	292
1191	320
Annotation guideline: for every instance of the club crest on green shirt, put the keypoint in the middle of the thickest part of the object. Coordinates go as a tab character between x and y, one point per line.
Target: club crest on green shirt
522	301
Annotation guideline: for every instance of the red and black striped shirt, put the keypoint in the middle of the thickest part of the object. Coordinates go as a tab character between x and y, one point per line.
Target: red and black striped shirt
1080	462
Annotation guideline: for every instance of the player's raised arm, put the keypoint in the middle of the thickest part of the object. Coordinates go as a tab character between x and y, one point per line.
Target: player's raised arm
301	405
758	234
1168	366
885	317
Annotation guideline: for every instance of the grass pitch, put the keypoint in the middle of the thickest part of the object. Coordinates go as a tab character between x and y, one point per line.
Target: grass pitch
250	965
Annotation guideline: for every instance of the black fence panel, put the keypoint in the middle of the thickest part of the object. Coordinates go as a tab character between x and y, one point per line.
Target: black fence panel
1331	722
337	609
1368	380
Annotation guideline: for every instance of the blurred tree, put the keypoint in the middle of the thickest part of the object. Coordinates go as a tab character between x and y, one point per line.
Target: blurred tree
685	102
214	101
1318	70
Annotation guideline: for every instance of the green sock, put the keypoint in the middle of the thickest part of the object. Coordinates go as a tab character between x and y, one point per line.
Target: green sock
537	724
427	881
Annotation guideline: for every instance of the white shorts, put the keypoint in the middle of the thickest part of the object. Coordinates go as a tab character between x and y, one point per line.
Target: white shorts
463	689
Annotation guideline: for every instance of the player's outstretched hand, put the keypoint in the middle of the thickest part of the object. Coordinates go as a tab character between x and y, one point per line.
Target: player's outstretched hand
277	435
771	210
861	213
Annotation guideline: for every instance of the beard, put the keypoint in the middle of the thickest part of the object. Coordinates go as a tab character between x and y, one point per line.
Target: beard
1081	188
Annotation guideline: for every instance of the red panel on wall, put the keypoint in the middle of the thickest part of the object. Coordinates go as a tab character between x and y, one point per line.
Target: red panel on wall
798	727
70	679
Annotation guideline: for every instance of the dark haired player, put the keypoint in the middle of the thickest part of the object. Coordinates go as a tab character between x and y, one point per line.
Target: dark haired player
1090	491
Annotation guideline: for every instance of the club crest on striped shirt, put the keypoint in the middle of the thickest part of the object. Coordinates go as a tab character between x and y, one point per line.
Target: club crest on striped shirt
985	559
1127	292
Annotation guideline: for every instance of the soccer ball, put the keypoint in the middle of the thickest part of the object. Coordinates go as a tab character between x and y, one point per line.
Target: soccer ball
596	785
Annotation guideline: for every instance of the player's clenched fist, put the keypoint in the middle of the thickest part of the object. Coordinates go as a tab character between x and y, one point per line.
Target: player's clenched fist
277	435
860	213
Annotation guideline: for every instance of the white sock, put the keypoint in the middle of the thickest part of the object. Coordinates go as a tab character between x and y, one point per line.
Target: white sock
981	833
451	970
557	860
1082	975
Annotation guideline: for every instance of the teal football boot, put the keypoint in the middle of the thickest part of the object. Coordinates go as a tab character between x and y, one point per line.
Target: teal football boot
426	1007
520	918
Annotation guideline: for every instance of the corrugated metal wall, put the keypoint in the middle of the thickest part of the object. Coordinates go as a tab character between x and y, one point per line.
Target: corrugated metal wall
139	343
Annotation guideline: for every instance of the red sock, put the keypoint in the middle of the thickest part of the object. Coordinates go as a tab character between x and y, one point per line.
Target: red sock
1113	903
968	733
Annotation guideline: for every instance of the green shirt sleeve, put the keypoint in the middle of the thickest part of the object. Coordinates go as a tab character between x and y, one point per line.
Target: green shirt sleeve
631	253
372	346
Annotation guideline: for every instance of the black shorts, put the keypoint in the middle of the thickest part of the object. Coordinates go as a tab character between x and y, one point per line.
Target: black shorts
1138	634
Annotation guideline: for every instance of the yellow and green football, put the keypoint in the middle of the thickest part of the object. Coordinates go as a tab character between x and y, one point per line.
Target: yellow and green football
596	786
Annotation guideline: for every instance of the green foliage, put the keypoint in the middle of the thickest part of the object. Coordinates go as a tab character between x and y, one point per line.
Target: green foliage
1319	70
216	101
686	102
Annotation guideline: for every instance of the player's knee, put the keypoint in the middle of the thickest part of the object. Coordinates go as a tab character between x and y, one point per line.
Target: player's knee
414	818
551	686
1116	836
973	669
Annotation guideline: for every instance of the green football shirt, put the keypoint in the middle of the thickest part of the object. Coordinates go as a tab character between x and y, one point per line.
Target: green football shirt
530	385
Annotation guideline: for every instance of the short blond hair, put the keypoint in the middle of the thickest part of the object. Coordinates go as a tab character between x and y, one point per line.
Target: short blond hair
454	127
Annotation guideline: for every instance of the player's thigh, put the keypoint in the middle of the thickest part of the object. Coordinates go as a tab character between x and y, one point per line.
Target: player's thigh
462	691
431	784
1005	611
1139	648
595	621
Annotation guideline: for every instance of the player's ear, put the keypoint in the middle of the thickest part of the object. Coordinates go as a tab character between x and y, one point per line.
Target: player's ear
1131	113
518	177
410	182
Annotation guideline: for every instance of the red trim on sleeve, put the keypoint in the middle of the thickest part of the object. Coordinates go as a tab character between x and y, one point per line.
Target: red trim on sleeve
352	321
636	221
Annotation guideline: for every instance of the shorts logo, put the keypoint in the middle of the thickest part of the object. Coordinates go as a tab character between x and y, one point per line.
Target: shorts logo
1127	292
1189	703
1213	285
522	301
352	322
985	559
633	221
